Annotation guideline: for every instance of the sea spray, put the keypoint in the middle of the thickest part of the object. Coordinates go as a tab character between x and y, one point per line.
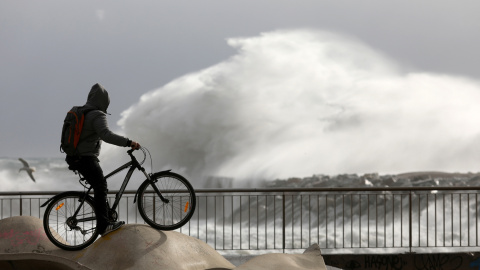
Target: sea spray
300	102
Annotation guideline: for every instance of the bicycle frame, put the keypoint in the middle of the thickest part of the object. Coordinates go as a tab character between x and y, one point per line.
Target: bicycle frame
119	194
132	165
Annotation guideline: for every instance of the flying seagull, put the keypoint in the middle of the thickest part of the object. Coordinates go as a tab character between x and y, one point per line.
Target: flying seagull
27	168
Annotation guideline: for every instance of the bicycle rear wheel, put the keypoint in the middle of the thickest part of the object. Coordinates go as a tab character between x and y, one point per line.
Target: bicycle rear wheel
67	230
169	215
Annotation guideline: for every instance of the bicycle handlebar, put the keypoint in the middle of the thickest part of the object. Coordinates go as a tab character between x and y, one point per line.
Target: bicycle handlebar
130	153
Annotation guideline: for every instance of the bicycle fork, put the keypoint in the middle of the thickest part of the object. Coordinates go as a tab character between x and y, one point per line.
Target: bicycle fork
152	183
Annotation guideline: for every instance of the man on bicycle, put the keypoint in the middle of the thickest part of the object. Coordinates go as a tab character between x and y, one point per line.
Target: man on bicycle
95	130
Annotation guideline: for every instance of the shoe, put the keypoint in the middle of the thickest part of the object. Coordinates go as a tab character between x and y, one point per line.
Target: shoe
112	227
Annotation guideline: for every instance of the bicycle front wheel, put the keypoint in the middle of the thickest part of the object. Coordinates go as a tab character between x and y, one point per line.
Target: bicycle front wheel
177	207
70	223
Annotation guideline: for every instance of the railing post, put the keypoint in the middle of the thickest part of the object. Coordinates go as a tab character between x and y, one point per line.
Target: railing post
21	205
410	221
283	222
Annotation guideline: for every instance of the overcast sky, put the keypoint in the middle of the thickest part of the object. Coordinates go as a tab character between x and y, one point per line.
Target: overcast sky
52	52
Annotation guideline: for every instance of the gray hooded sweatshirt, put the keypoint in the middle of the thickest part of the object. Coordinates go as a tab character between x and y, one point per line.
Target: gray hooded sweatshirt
95	128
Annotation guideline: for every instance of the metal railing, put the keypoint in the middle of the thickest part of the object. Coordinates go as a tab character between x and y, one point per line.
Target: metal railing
340	220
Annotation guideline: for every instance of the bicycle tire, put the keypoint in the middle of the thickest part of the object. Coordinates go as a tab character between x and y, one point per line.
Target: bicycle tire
166	216
59	211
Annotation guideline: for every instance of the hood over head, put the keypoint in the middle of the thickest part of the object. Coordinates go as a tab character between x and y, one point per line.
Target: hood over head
98	98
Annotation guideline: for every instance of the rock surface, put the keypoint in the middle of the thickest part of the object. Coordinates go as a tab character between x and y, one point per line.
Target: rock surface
24	245
310	259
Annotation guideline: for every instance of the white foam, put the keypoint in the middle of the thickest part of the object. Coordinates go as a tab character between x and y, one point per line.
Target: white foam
301	102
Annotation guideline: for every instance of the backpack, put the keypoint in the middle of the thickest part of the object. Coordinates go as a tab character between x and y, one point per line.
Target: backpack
71	130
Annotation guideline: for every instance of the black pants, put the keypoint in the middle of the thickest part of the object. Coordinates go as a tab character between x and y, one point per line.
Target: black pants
89	167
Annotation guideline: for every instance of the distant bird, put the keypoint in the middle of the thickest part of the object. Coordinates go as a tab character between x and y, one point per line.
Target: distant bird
27	168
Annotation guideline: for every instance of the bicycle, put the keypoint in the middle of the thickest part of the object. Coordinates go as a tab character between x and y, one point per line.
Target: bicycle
166	201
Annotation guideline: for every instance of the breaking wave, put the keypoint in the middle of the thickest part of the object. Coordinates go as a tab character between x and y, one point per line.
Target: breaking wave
302	102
